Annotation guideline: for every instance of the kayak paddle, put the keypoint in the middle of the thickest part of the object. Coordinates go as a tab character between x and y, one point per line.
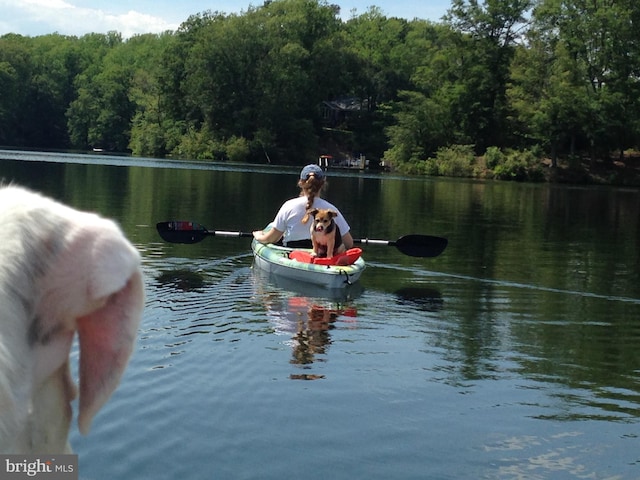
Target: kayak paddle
190	232
413	245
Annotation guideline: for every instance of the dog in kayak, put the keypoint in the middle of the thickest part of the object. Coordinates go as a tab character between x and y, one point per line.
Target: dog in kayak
62	272
325	234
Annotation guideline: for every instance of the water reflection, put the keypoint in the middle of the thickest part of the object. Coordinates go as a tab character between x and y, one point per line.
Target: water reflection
425	298
182	279
348	292
307	323
312	337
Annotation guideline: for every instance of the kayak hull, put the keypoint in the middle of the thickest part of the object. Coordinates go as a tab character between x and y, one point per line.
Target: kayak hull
275	260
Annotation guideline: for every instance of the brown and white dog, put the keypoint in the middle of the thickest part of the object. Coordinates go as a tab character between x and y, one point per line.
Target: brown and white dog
61	271
325	234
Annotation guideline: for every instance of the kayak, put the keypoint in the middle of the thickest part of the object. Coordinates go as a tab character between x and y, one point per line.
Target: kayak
298	265
276	260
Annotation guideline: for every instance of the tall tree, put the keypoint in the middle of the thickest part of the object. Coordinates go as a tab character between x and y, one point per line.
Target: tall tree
378	68
15	77
432	112
149	120
494	27
100	112
594	51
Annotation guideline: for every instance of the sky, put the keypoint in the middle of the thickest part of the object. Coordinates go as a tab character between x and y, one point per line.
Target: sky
131	17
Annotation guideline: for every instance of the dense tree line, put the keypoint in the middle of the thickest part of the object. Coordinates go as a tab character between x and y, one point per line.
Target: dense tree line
509	80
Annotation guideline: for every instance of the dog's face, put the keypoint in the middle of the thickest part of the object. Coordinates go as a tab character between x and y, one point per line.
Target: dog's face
322	219
62	272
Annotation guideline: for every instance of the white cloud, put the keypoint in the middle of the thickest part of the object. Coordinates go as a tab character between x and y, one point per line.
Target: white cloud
37	17
134	22
130	17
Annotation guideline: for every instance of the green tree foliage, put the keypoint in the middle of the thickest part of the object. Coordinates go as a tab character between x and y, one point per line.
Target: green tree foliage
493	27
258	76
36	81
376	52
505	77
431	112
15	75
587	98
101	115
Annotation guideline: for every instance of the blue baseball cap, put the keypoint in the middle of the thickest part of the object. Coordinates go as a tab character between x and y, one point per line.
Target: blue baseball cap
309	169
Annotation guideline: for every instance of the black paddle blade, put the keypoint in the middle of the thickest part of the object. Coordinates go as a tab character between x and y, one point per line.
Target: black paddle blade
181	232
421	245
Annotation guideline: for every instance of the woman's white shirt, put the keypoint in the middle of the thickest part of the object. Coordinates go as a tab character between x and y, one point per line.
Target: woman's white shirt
289	219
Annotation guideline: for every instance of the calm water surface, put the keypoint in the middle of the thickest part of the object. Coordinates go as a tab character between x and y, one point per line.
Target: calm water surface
514	355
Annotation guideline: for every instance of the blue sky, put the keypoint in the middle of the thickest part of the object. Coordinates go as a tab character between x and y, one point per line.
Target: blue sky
130	17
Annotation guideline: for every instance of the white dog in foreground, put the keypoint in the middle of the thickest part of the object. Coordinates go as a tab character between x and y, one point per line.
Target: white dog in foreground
61	271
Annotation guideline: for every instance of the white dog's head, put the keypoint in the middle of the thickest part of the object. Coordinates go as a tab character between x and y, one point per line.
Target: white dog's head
61	271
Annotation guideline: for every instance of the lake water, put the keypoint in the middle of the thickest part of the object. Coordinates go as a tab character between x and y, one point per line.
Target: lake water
513	355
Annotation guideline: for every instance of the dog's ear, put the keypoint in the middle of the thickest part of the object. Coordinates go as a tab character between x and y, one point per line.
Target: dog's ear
107	337
62	271
311	212
332	213
95	286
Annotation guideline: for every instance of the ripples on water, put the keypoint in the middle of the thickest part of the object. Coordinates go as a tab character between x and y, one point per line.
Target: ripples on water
237	378
529	373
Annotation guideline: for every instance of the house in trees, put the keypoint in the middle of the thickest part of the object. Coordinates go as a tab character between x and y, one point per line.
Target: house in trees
339	112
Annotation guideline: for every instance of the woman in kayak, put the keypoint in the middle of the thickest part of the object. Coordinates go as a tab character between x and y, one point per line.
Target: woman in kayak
288	225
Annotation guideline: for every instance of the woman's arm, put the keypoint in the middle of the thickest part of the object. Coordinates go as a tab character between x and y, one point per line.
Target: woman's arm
270	236
347	239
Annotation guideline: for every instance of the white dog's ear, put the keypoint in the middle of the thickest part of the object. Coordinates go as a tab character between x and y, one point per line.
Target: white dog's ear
95	286
61	271
107	337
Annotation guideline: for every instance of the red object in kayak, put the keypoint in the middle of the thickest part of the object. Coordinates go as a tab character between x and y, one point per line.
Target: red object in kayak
347	258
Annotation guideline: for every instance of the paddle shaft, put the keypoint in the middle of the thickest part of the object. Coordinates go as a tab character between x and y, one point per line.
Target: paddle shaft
367	241
225	233
228	233
413	245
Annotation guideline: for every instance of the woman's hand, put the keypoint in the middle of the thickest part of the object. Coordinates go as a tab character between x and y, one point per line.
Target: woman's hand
270	236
